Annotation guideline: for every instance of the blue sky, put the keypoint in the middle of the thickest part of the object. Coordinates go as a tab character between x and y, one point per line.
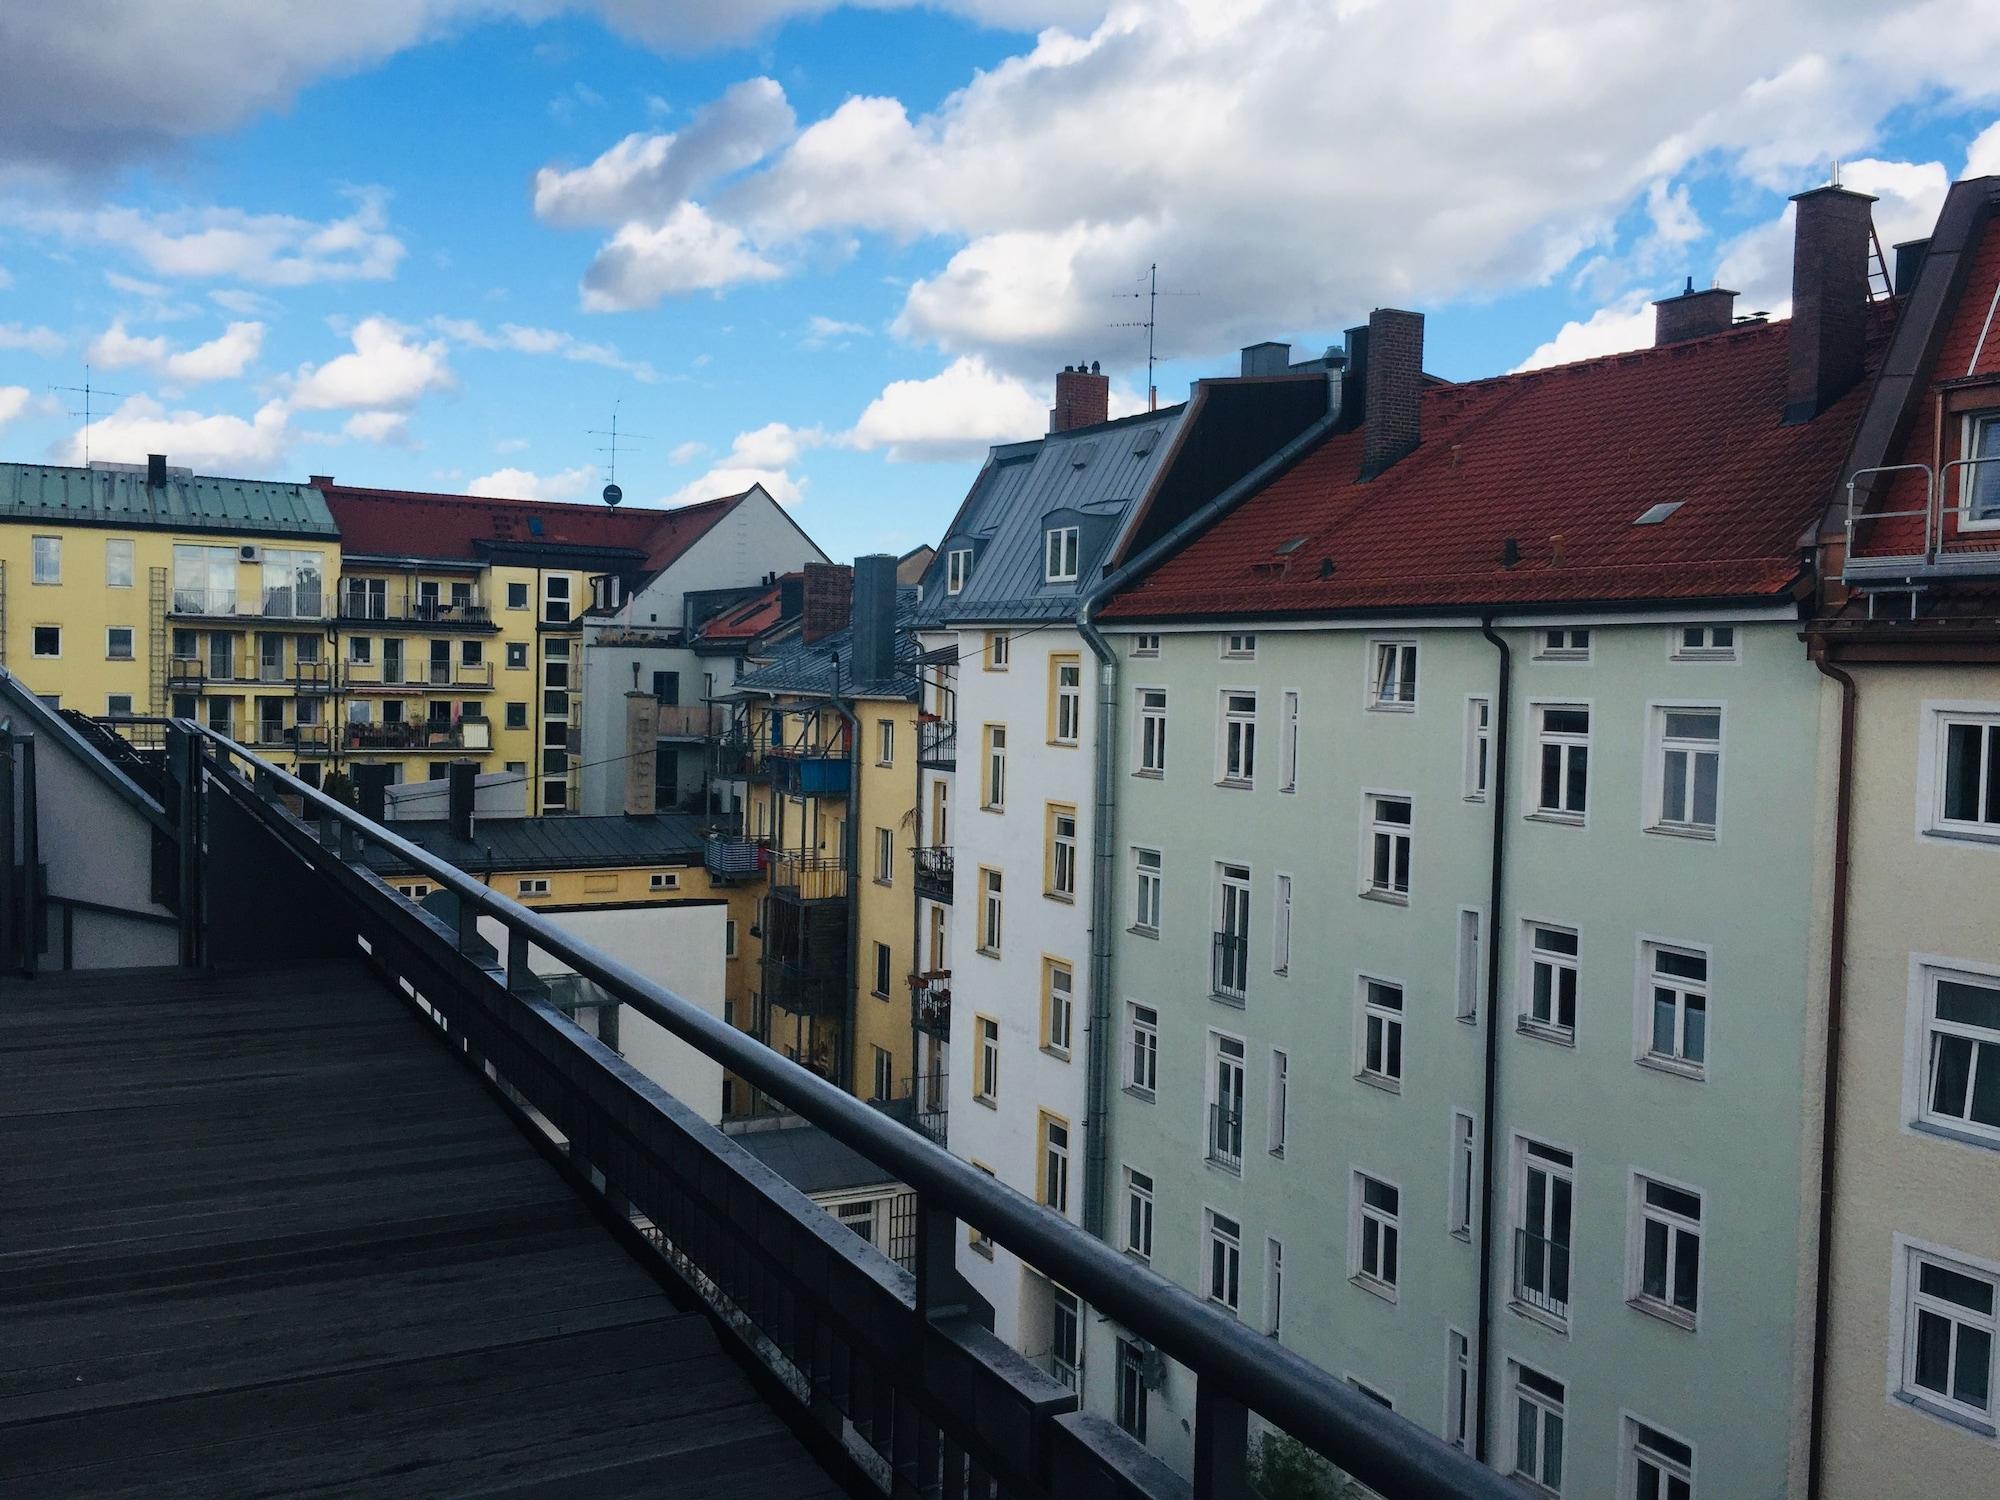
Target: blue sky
839	249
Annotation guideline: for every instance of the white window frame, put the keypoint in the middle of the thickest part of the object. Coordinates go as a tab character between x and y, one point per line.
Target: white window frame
1549	1409
1062	548
119	705
1921	1047
992	910
131	636
1637	1450
986	1059
34	643
1911	1302
121	547
1469	978
1152	736
1660	745
1142	1049
1462	1182
1227	1083
999	651
1706	644
1478	768
1934	742
1393	664
1686	988
46	561
1236	746
1281	924
1684	1235
1059	1005
1062	852
1561	643
1459	1396
537	885
1139	1209
1067	728
957	569
1374	1233
885	742
1222	1259
1148	890
1534	956
1146	643
1239	645
1387	837
1531	1154
1564	742
1379	1031
1055	1160
885	856
1969	473
1288	741
663	880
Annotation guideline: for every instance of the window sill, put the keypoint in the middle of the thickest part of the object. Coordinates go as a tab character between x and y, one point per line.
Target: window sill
885	884
1378	1081
993	807
1221	1166
879	994
993	953
1151	775
1060	1054
1145	932
1964	835
1059	896
1463	1236
1375	707
1560	656
1235	784
1060	744
1387	898
1944	1413
990	1102
1701	656
1674	1066
1683	831
1234	1002
1665	1312
1964	1135
1468	1020
1560	819
980	1247
1144	1096
1543	1033
1535	1315
1277	1153
1373	1287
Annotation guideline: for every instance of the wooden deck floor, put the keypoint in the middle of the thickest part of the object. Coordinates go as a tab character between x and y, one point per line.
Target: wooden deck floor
259	1235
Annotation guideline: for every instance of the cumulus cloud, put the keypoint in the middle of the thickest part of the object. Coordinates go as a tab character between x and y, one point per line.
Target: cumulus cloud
243	302
218	243
6	278
33	340
1625	324
217	442
388	368
525	484
765	455
957	413
525	340
13	401
224	357
686	252
389	428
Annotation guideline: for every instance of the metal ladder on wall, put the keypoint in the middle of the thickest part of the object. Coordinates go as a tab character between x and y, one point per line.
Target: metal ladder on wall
156	612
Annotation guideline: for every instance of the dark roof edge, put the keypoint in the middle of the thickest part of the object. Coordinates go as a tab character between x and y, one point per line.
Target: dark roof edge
1648	604
47	721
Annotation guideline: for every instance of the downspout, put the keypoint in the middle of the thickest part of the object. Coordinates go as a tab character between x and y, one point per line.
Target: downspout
1829	1134
1496	786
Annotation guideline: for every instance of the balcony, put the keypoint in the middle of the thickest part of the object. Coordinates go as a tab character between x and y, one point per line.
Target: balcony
730	857
1908	524
807	878
308	739
929	1093
937	744
407	737
195	674
934	872
271	605
930	1003
805	989
1541	1274
808	772
689	721
360	605
1225	1136
1230	968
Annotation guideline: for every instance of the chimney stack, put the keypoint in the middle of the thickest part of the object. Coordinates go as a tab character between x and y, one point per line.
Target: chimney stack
1910	264
371	791
642	739
874	617
829	590
1267	358
462	778
1392	392
156	471
1830	248
791	596
1083	398
1693	315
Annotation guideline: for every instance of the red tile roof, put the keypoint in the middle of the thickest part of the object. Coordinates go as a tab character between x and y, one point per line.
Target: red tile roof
1563	461
749	618
409	523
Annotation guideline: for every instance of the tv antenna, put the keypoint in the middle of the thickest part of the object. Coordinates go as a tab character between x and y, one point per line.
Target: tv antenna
1152	294
86	390
612	494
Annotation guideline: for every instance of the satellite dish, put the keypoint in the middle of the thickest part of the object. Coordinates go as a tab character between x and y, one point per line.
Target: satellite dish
612	494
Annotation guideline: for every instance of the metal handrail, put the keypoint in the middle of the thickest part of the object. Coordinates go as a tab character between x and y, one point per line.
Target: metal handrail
1381	1449
1928	513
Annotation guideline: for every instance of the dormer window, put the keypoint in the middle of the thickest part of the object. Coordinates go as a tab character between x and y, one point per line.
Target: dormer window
1059	554
957	568
1979	494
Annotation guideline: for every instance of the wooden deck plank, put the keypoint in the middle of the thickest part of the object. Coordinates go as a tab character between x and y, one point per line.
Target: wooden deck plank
264	1236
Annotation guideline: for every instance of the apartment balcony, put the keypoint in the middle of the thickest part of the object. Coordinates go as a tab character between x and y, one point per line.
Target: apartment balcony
813	990
197	674
937	744
802	772
1541	1274
360	606
300	739
928	1094
1225	1136
731	857
934	872
1910	524
690	721
1229	970
807	878
930	1003
271	606
404	738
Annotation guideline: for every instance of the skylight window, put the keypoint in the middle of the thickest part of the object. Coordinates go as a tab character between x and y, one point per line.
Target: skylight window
1288	548
1654	514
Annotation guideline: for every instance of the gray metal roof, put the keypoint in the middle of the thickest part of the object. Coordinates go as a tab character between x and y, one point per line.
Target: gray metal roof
1091	477
552	843
803	668
64	496
811	1160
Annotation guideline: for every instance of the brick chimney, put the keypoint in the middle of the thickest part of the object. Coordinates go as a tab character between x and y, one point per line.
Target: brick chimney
1830	248
829	593
642	738
1392	394
1693	315
1083	398
874	617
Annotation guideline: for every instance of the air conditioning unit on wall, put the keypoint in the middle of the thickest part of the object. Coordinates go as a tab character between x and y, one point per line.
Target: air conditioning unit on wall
250	554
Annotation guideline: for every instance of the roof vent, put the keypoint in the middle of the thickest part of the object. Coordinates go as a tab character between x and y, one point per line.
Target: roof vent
1082	454
1654	514
1326	567
534	526
1510	552
1145	442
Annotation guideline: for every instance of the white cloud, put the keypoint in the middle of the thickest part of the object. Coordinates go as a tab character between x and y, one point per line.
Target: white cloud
525	340
765	455
389	428
118	281
243	303
687	252
826	328
1625	324
686	453
224	357
525	484
13	401
956	414
215	442
1982	158
44	341
227	243
388	369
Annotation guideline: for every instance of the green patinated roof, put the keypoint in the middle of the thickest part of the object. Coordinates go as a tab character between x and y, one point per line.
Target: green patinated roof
109	497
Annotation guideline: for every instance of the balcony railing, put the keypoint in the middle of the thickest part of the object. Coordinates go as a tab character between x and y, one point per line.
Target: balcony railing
934	871
929	1094
412	607
1230	970
805	989
1941	523
1225	1136
930	1003
418	736
937	744
252	604
808	772
730	857
855	1340
807	877
458	674
1541	1273
191	674
690	721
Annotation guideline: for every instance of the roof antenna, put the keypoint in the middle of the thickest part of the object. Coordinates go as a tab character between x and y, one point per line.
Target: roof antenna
1152	294
612	494
86	390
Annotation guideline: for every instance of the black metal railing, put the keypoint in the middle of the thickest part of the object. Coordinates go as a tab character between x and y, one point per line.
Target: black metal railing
805	989
419	608
1231	966
934	871
930	1003
937	744
891	1362
1541	1273
929	1100
1225	1136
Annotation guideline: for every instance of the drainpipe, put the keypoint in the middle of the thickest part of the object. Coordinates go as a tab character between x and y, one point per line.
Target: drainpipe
1829	1135
1496	789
